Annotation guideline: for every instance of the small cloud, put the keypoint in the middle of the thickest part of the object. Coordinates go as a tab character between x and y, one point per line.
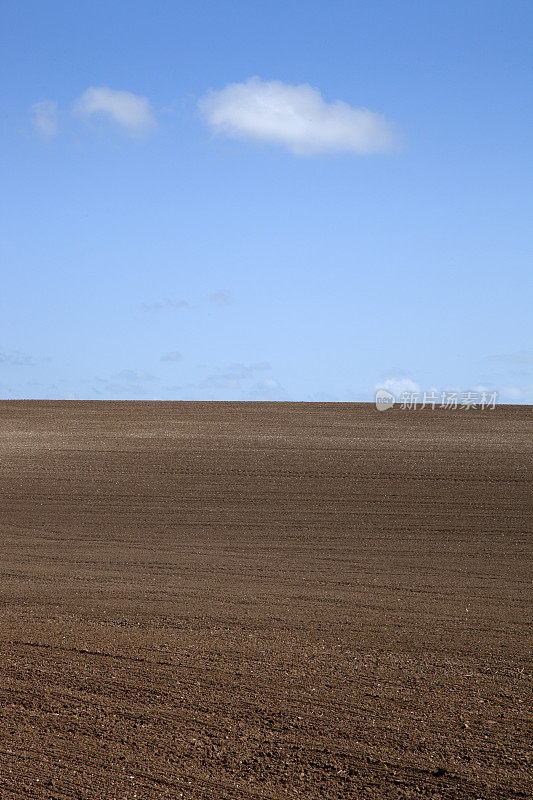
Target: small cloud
522	357
220	299
162	305
296	117
398	386
172	356
135	375
43	116
131	112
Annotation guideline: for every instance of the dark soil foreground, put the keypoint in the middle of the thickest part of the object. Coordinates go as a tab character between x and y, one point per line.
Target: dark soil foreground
226	600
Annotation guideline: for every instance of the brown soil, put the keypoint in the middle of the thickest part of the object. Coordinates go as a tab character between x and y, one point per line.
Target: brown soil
227	600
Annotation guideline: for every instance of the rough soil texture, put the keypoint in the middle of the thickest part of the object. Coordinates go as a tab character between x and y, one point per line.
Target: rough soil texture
227	600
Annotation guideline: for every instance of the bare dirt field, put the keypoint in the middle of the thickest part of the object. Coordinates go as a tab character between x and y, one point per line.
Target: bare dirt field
263	600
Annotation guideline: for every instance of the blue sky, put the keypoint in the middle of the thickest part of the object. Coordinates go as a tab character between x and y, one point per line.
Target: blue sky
189	212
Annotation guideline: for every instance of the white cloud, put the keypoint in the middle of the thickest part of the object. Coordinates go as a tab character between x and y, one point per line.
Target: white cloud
131	111
398	385
44	118
296	117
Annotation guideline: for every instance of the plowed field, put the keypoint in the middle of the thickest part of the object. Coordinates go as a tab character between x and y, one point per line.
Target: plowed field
263	600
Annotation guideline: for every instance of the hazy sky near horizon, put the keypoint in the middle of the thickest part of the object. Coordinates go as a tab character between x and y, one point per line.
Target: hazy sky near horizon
266	200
